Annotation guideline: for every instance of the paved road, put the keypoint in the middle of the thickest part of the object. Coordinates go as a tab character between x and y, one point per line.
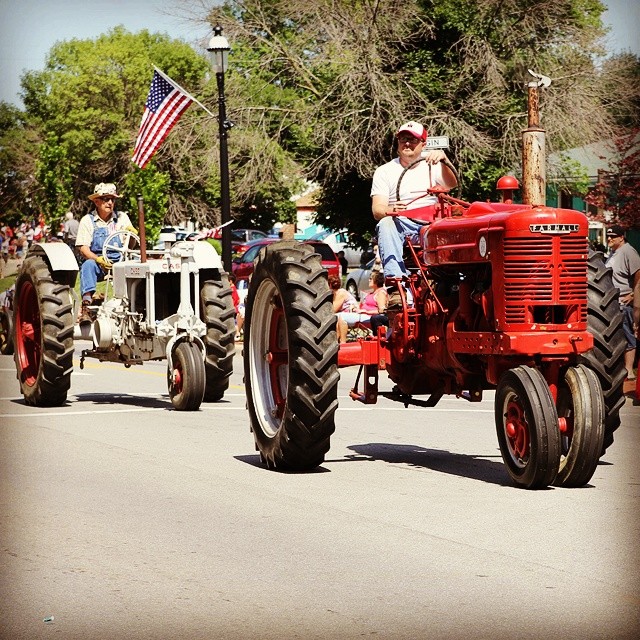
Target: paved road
122	518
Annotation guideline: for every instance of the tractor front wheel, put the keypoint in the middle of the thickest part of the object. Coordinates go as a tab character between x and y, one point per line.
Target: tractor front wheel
527	426
43	334
186	377
290	357
581	409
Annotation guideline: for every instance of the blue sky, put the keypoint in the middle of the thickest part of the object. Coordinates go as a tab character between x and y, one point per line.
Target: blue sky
29	28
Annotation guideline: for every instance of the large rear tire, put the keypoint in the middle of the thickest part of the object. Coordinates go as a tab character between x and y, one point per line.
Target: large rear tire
186	377
43	334
527	427
218	314
606	359
291	357
581	405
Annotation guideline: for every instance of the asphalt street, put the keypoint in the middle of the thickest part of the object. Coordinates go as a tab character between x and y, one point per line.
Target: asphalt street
122	518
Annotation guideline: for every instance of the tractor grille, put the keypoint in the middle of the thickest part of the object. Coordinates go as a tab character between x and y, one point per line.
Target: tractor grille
545	279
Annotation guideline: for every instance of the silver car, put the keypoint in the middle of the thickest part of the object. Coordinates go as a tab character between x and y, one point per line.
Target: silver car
358	280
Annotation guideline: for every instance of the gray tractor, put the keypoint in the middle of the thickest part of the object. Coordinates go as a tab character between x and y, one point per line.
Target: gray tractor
174	303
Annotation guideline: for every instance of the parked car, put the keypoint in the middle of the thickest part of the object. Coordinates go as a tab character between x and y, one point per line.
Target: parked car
247	235
181	234
242	266
339	241
241	239
358	280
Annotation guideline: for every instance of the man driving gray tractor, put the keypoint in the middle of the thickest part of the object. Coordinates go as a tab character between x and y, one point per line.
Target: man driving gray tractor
94	229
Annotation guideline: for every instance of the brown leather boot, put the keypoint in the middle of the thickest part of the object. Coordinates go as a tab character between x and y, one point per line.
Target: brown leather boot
394	302
85	314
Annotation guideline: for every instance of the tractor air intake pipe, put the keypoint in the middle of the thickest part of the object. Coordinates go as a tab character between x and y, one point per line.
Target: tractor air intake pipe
141	229
533	146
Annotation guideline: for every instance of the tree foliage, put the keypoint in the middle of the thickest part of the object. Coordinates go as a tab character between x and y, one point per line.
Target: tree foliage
18	153
618	190
82	116
54	178
335	78
87	104
316	91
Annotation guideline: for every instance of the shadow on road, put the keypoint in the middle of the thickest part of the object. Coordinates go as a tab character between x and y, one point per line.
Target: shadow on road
465	466
254	461
457	464
145	402
148	402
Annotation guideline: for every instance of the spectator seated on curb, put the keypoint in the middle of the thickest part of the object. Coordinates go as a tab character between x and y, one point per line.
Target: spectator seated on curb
359	317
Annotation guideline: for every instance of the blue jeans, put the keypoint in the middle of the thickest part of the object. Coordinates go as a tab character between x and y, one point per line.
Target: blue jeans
627	325
392	231
90	271
90	275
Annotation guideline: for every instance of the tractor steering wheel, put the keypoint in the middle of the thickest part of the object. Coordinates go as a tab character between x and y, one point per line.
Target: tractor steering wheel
428	192
125	249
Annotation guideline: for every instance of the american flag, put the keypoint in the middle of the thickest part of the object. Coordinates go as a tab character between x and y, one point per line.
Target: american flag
165	104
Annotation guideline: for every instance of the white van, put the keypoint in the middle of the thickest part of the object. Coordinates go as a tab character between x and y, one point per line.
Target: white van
339	241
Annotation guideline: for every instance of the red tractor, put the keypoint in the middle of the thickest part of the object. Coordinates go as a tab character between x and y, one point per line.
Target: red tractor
505	297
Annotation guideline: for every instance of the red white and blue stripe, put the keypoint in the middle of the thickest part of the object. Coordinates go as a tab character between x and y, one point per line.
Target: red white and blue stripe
165	104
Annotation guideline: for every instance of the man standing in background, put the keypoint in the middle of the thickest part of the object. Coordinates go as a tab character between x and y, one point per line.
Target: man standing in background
625	263
70	232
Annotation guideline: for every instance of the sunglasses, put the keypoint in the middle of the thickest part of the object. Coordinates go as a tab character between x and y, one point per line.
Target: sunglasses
106	199
408	139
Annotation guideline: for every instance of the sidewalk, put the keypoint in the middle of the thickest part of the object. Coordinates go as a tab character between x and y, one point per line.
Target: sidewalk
10	268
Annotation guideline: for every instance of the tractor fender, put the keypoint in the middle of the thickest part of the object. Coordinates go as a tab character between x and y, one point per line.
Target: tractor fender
60	259
183	337
205	256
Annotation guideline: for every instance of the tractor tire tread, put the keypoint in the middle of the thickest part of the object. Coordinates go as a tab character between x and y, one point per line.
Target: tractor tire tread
303	437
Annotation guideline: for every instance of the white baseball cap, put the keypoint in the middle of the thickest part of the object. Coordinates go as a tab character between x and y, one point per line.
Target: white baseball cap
415	129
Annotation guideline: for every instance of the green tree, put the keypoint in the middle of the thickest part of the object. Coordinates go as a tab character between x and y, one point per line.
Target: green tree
18	151
91	95
82	113
333	79
618	190
153	186
55	182
87	104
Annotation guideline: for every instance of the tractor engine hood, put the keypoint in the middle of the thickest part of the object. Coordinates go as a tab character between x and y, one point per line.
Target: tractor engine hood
480	232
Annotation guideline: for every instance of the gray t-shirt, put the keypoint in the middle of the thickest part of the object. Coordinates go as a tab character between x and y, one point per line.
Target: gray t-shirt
70	229
625	261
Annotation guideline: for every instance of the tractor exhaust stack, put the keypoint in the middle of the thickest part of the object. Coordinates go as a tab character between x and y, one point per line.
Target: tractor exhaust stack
533	146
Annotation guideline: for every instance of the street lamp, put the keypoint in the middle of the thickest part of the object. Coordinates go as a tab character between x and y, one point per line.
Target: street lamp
219	54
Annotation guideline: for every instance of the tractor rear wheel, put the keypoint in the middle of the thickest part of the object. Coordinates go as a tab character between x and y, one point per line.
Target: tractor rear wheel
218	314
290	357
527	426
581	407
606	359
186	377
43	334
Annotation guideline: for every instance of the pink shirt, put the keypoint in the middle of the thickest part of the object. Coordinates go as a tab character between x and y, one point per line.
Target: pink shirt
369	303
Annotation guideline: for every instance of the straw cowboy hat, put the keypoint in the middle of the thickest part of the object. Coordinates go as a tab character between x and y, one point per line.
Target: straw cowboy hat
104	189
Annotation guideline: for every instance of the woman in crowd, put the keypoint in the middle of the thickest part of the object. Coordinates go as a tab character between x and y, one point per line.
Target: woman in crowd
346	308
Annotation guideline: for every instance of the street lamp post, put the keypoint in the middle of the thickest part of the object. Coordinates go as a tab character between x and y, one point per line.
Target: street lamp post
219	54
